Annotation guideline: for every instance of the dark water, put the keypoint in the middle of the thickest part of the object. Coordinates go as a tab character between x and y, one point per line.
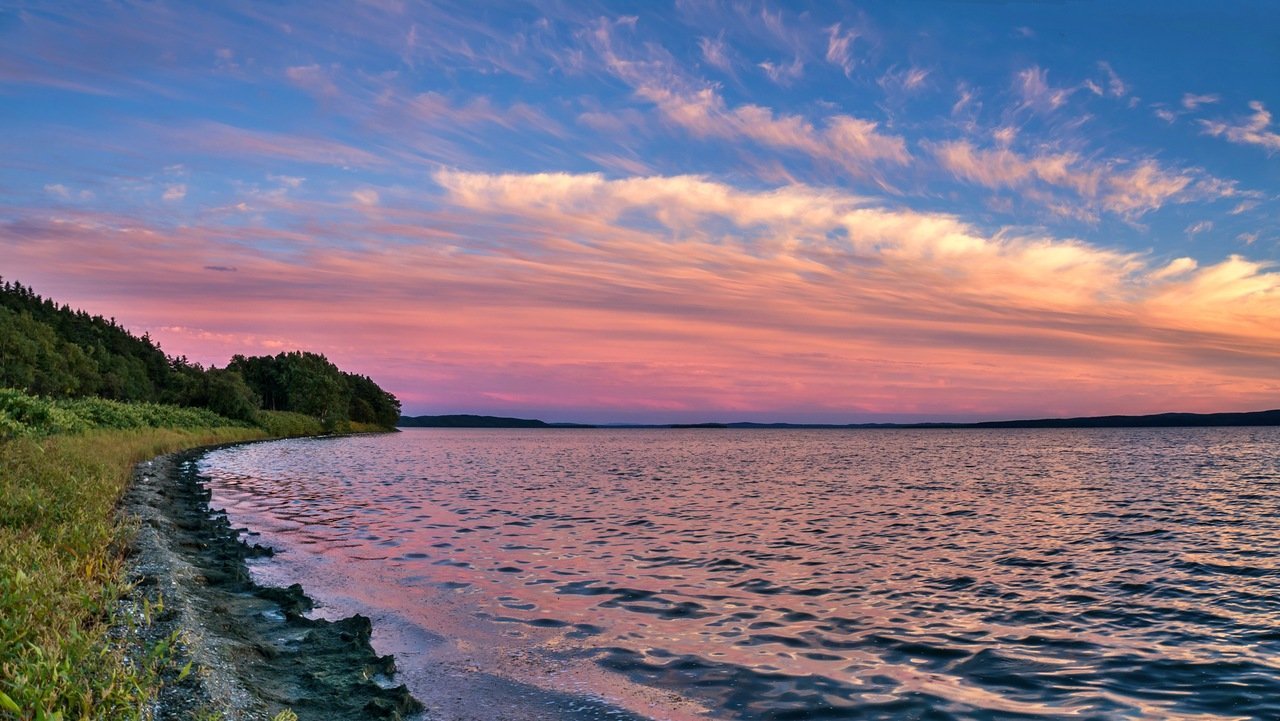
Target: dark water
793	574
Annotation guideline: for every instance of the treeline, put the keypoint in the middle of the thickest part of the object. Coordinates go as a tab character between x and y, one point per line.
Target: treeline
59	352
308	383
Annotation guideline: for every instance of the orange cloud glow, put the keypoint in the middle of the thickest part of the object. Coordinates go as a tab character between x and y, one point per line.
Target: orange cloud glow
681	297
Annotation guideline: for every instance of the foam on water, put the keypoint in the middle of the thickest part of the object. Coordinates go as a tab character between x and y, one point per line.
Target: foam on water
679	574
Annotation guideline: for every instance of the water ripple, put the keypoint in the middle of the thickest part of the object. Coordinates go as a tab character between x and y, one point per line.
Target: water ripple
803	575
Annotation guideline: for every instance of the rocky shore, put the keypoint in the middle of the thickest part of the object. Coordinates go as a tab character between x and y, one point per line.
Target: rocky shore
248	650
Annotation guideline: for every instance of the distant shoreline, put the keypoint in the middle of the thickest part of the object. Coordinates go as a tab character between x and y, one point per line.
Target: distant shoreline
1158	420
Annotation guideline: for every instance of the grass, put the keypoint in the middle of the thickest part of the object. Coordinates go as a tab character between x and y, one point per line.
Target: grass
64	466
62	570
24	416
285	423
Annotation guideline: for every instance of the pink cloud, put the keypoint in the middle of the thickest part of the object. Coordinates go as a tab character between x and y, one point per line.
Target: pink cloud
715	53
221	139
783	73
1127	189
1255	130
840	48
1033	86
855	145
568	295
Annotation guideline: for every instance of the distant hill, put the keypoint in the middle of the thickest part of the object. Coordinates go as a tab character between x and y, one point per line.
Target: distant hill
1161	420
470	421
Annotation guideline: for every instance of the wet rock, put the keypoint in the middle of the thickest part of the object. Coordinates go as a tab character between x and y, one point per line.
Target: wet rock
254	651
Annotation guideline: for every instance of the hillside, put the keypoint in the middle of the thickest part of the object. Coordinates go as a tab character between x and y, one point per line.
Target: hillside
57	352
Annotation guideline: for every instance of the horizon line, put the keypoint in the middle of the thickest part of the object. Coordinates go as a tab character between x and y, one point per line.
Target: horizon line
1038	419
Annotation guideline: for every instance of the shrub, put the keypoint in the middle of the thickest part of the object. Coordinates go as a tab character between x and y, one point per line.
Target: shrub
22	415
287	423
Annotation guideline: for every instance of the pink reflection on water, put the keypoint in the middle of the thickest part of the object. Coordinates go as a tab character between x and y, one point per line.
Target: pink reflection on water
737	573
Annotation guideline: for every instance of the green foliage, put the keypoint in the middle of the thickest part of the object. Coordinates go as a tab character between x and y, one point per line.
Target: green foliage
32	356
22	415
61	571
308	383
224	392
371	404
55	352
50	350
283	424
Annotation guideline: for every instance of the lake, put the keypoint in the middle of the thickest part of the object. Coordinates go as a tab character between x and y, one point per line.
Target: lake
790	574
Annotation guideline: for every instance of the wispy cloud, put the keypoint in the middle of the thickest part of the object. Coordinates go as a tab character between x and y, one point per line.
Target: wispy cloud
1116	86
1255	130
1129	189
783	73
228	140
1191	101
965	100
367	197
811	302
840	48
290	181
1032	85
314	79
854	144
905	80
1203	226
715	53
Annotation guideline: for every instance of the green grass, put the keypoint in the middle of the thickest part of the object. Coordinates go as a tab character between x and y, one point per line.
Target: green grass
22	415
25	416
64	466
286	423
62	570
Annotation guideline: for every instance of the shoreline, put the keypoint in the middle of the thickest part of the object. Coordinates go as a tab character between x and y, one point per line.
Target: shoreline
248	650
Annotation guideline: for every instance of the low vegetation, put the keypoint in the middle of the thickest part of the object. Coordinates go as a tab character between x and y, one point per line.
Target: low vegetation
62	563
81	402
22	415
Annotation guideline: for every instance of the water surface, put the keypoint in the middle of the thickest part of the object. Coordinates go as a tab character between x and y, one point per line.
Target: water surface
685	574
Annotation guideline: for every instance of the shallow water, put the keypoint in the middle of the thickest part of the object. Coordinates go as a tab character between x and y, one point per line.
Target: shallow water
681	574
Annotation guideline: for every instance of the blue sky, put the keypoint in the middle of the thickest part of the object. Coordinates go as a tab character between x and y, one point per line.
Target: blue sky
262	162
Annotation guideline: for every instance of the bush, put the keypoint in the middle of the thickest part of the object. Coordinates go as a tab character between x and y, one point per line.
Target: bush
287	423
22	415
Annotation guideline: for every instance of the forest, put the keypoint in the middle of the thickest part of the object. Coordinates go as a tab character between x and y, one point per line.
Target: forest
57	352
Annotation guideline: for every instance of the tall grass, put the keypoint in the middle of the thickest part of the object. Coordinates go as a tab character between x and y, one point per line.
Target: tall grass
285	423
281	424
22	415
62	569
64	466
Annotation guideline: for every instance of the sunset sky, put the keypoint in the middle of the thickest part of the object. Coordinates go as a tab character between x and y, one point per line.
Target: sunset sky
669	211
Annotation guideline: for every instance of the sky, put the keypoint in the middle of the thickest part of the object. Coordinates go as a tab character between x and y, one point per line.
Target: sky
669	211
